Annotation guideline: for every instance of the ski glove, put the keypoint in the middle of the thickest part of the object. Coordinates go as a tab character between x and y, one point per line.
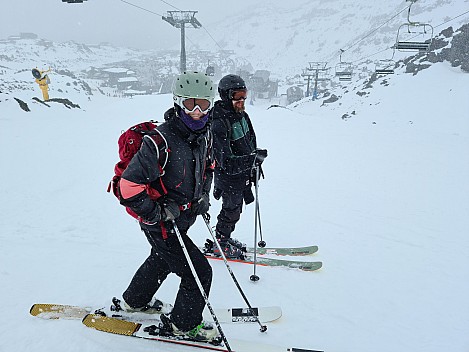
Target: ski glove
253	174
170	210
261	154
201	206
154	217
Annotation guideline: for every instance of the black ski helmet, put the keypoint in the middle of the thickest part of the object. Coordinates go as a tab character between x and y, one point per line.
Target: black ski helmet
228	84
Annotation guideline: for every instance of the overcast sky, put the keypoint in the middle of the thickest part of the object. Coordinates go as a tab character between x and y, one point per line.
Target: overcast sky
114	21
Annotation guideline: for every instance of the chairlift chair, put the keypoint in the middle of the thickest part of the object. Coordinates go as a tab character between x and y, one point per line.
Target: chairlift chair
343	70
385	67
345	78
404	39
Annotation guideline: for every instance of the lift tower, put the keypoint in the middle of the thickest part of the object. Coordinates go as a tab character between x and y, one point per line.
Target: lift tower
179	19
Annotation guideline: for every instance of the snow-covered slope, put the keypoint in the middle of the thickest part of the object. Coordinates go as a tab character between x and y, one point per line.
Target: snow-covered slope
377	180
384	195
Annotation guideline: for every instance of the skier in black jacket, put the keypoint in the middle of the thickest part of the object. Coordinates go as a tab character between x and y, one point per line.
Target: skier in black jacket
185	185
236	157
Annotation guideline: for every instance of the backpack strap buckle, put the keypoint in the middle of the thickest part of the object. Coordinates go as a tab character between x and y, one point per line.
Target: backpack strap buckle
186	206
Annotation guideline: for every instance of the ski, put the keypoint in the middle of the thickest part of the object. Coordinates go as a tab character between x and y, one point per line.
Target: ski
292	251
58	311
263	261
150	332
224	315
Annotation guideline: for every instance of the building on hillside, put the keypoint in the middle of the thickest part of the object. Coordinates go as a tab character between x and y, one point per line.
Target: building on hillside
115	73
13	38
262	86
26	35
126	83
132	92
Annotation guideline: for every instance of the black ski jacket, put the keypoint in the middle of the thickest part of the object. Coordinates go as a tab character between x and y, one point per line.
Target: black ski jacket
187	175
234	147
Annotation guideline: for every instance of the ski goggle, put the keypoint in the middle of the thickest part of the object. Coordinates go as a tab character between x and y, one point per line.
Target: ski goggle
239	95
190	104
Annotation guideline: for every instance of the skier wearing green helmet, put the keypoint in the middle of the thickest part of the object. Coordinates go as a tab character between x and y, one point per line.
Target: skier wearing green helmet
180	192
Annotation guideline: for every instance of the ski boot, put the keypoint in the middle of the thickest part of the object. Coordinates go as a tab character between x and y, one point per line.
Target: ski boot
232	248
203	332
155	306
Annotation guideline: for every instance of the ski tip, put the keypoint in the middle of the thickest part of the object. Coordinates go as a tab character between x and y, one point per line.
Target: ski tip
111	325
40	308
33	310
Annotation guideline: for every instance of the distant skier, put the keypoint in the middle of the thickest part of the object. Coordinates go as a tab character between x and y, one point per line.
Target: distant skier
187	179
236	155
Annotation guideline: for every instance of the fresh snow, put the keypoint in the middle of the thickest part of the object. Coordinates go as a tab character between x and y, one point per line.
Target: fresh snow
378	181
384	195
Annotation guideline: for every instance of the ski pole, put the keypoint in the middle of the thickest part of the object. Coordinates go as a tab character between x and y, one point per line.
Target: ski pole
261	243
206	217
254	276
199	284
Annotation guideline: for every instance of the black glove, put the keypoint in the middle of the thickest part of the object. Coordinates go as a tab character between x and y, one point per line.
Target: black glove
254	174
170	210
154	217
201	206
261	154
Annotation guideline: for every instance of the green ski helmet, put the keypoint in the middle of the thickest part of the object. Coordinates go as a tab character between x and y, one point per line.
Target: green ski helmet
192	84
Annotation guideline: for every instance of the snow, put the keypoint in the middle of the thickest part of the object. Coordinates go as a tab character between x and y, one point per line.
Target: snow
383	194
378	181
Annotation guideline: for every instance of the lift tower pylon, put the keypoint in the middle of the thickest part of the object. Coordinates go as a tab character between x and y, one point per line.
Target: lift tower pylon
179	19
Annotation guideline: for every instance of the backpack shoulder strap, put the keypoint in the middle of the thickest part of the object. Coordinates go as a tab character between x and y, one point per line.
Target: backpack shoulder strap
161	146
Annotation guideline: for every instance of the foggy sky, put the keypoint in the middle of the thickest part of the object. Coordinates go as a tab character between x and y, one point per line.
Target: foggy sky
113	21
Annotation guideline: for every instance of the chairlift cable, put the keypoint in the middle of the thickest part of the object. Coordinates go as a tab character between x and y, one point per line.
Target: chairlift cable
141	8
206	30
212	37
333	56
167	3
374	30
368	56
452	19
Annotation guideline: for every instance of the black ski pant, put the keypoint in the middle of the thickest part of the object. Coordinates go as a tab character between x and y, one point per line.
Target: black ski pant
230	213
167	257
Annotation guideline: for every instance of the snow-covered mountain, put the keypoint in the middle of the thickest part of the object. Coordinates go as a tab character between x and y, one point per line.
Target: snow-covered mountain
283	36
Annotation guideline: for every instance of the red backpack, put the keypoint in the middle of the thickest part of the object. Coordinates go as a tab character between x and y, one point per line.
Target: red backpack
129	143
